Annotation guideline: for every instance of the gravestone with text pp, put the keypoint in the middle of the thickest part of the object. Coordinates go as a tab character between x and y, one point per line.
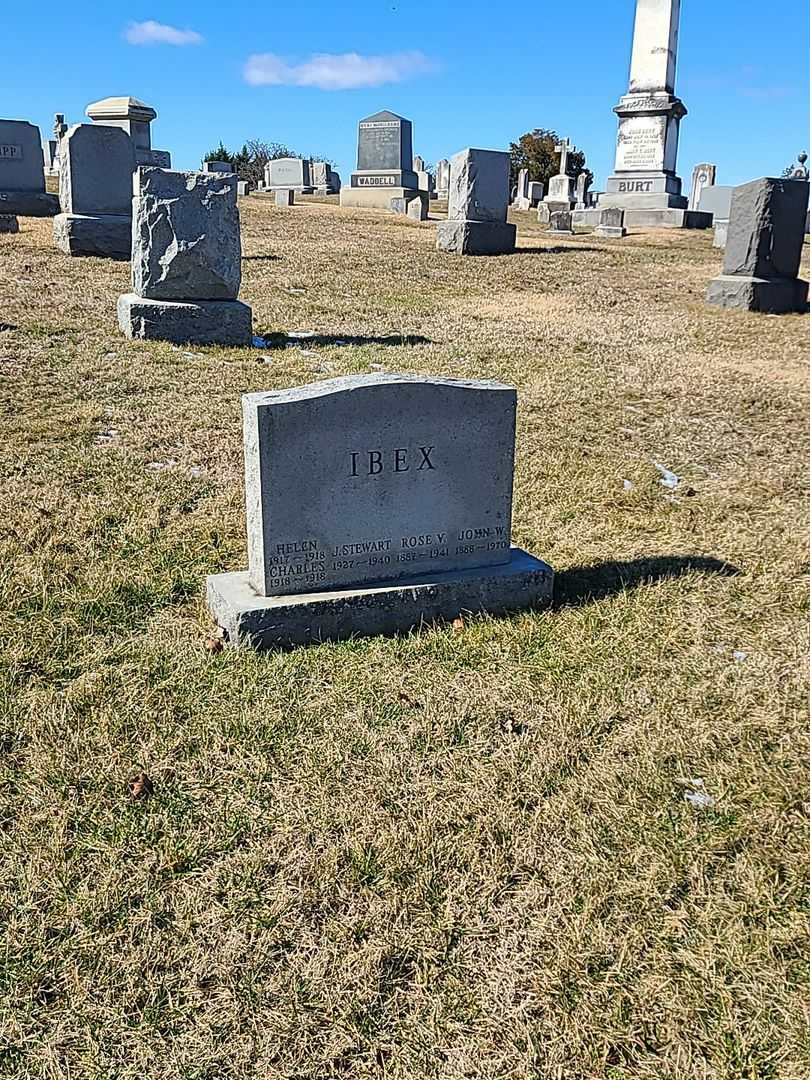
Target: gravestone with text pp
376	503
22	173
384	163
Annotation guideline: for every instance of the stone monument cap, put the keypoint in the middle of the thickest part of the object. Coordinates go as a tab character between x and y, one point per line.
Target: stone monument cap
119	108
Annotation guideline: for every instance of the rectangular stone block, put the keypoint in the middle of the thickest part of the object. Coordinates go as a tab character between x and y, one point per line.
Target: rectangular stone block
479	186
370	478
260	622
95	174
201	322
560	223
222	168
716	200
104	235
374	197
29	203
476	237
766	228
285	197
776	296
186	238
288	173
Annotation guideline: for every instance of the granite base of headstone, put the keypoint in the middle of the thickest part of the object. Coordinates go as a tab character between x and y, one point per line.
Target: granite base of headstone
367	513
560	223
22	172
186	261
478	206
95	192
611	224
285	197
9	223
764	249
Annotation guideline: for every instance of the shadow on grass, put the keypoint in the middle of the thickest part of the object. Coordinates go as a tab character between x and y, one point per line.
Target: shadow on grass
556	250
281	341
584	584
261	258
7	326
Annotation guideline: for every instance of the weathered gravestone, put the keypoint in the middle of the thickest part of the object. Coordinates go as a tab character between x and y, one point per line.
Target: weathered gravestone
764	248
292	173
22	175
528	192
611	223
384	162
186	261
561	188
703	176
479	201
324	179
376	503
583	198
560	223
95	192
443	178
418	207
242	188
285	197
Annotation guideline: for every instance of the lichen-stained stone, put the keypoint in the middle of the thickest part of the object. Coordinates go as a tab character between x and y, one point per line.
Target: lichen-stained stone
186	239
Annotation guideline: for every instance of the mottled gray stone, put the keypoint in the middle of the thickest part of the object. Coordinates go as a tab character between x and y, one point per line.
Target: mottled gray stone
611	223
186	239
560	223
104	235
260	622
285	197
96	167
9	224
385	143
476	237
402	474
198	322
764	248
292	173
479	186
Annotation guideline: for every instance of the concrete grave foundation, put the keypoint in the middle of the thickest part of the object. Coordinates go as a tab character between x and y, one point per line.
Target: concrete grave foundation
192	322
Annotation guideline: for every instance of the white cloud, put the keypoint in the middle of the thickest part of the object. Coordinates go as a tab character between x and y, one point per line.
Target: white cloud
346	71
155	33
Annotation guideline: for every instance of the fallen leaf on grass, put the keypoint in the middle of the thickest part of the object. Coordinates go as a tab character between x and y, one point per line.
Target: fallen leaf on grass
214	645
140	786
458	625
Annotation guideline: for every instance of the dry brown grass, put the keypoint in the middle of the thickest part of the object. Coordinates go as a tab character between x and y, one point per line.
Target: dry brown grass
456	854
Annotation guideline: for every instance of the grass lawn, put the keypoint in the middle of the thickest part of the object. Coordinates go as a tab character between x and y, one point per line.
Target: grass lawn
565	845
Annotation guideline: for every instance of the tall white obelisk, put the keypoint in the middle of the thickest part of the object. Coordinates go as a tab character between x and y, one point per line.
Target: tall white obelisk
645	182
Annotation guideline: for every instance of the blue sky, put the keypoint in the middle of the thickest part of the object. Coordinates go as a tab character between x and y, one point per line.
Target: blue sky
469	73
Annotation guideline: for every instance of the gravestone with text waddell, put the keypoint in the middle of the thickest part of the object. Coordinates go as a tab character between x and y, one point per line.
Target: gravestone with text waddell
376	504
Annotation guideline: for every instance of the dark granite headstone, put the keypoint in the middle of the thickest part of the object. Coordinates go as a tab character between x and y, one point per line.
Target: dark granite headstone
385	142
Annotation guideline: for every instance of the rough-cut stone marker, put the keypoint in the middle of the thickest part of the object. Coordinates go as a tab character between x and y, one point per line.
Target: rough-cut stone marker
560	223
22	172
418	207
479	200
376	503
285	197
186	260
95	192
611	223
764	249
